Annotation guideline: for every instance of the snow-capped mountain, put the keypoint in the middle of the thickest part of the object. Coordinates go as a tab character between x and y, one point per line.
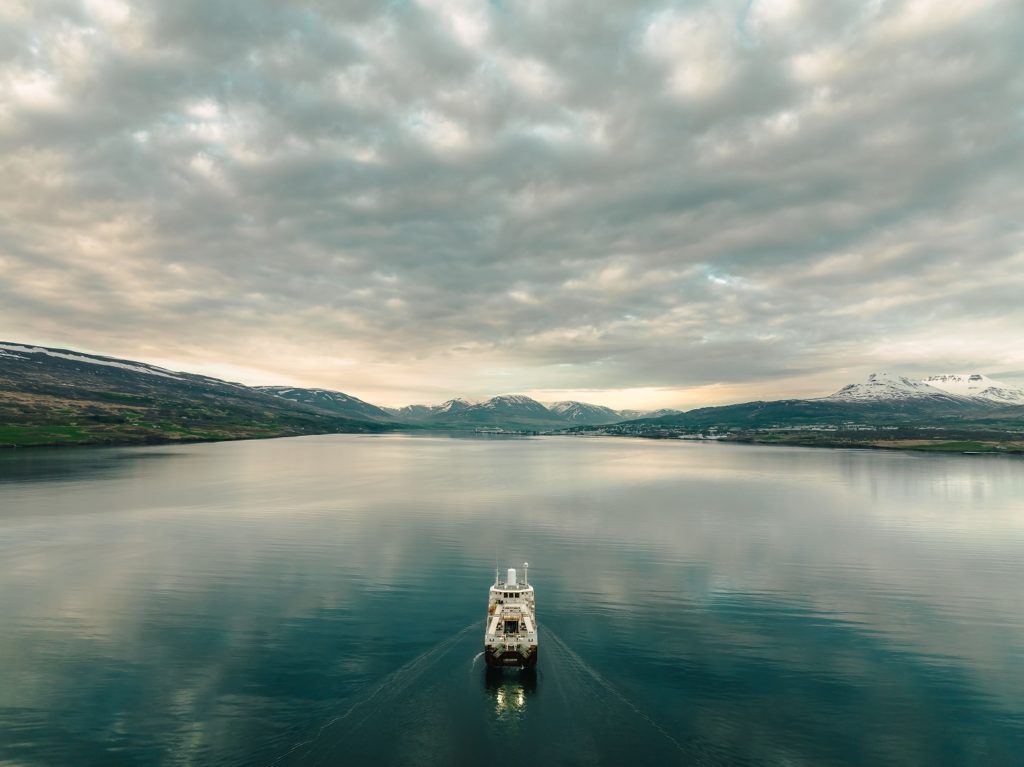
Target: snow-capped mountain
632	415
977	386
423	412
629	415
511	407
451	406
325	399
886	387
518	403
511	410
585	413
952	389
109	400
656	413
515	410
409	412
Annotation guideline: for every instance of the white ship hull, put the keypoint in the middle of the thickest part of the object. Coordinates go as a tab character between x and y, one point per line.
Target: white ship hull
510	637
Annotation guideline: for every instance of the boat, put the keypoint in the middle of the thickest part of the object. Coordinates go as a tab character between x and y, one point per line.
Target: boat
510	637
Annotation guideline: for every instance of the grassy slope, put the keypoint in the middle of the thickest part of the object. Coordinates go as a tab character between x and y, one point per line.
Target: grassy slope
44	401
903	426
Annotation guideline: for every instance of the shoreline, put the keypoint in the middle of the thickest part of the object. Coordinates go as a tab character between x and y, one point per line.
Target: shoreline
948	446
951	446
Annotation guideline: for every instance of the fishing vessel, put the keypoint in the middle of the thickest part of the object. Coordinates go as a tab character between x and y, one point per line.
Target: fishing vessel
510	639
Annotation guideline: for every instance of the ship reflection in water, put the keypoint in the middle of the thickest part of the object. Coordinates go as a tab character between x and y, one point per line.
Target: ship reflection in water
510	693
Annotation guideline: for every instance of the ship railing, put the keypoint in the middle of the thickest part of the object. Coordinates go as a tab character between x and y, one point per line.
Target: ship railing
500	639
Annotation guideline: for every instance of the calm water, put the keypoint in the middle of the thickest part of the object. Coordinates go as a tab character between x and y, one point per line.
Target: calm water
321	601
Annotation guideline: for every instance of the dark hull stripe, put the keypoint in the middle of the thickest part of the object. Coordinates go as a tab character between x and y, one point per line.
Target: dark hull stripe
510	659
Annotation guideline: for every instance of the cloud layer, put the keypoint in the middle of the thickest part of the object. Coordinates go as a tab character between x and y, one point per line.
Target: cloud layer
409	200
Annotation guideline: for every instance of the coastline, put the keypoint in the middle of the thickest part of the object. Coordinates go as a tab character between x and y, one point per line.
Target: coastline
953	446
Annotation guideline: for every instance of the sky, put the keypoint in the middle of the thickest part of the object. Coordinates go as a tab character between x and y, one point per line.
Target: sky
629	203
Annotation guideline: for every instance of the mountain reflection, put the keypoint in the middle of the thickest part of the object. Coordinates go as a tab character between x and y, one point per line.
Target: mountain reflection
236	603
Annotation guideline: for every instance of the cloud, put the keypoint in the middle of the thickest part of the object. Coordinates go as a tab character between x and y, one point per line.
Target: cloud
473	198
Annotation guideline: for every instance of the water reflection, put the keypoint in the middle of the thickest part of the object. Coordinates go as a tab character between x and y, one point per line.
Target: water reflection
49	464
219	604
509	691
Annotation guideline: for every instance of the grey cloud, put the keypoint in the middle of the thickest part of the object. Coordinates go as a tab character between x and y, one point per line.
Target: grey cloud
590	195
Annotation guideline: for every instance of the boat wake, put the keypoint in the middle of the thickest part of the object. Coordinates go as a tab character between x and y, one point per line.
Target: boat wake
373	699
695	752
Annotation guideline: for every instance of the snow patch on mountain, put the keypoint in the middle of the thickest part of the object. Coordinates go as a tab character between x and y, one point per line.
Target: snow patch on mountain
584	412
134	367
328	399
561	407
662	412
512	401
977	386
451	406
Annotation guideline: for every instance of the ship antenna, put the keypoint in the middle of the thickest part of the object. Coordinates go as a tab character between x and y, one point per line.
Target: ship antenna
526	572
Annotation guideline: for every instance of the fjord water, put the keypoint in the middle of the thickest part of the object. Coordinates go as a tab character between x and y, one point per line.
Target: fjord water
321	601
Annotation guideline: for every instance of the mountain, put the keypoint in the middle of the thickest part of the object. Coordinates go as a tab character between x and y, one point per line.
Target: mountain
512	411
977	386
884	387
420	413
759	414
515	412
58	396
656	413
518	404
892	405
331	401
508	411
632	415
584	413
451	407
950	388
409	412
